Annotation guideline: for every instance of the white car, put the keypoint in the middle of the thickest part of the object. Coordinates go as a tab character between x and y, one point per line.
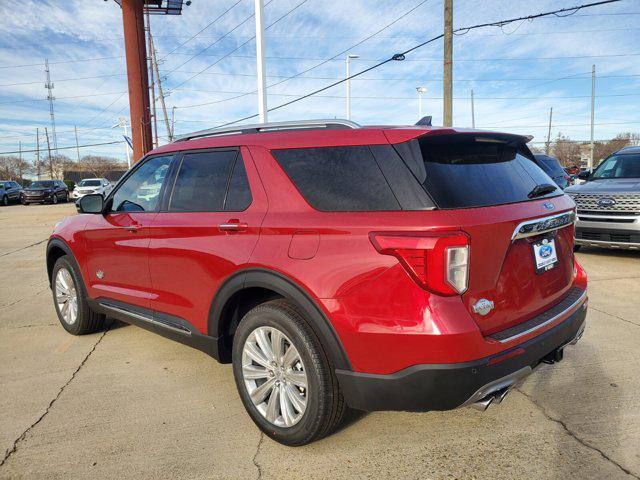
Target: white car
91	185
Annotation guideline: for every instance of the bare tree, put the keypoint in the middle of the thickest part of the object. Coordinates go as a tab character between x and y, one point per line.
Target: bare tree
566	150
14	168
99	166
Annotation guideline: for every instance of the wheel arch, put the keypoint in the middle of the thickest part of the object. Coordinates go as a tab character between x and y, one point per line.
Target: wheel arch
57	248
251	287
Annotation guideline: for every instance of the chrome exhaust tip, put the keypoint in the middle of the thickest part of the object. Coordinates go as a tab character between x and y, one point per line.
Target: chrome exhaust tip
483	404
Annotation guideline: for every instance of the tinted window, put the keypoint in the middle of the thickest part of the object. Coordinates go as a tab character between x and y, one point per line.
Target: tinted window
550	165
141	191
239	195
338	178
202	182
42	184
462	171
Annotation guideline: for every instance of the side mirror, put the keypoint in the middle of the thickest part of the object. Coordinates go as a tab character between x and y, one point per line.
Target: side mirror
92	203
584	175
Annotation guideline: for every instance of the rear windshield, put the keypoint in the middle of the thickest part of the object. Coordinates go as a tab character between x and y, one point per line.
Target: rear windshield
464	171
550	165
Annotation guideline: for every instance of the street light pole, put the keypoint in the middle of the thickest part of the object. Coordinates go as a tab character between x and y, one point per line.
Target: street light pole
348	84
262	82
420	91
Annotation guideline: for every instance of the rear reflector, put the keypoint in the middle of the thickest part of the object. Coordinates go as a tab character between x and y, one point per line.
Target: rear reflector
437	262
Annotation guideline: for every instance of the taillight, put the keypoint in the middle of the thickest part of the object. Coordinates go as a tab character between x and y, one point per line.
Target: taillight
437	262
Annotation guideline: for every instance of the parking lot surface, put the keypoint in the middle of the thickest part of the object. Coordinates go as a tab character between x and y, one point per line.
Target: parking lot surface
125	403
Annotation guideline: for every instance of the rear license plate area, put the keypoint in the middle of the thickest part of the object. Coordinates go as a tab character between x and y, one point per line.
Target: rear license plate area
545	255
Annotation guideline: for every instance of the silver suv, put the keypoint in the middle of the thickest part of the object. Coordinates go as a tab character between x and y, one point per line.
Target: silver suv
608	203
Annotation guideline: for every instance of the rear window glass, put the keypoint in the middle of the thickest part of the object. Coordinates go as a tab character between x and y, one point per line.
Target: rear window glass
550	165
338	178
463	171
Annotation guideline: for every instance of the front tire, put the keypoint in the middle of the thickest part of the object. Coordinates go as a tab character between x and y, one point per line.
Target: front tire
54	199
70	300
576	247
284	377
5	201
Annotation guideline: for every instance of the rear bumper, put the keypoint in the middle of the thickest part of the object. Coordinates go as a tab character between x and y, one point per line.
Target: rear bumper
449	386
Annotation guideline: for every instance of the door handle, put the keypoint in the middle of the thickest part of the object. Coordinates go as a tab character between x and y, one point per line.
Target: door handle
131	228
233	225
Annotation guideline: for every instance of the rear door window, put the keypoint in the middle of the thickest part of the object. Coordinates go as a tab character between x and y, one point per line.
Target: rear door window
464	171
338	178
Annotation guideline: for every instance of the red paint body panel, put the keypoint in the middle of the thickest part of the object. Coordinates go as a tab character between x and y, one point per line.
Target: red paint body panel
384	320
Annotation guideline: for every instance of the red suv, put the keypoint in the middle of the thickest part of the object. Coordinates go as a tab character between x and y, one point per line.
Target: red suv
335	266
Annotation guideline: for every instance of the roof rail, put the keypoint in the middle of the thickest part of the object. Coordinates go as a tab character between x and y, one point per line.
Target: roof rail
269	127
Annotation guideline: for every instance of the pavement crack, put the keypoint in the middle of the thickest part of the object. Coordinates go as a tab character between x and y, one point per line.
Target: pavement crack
255	457
24	434
11	304
612	315
572	434
22	248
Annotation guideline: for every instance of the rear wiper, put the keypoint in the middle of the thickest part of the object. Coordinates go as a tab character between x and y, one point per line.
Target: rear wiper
542	189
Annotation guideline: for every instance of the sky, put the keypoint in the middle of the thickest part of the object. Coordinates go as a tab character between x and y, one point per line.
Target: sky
207	64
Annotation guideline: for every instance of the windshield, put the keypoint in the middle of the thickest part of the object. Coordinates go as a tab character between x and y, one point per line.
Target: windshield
41	184
618	166
89	183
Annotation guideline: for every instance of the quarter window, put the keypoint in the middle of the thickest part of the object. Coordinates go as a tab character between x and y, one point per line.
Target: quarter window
141	191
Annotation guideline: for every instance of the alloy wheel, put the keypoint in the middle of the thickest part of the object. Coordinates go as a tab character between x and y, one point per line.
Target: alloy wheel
66	296
274	376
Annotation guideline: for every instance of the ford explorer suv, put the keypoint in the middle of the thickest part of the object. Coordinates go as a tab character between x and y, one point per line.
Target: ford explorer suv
553	168
608	203
334	266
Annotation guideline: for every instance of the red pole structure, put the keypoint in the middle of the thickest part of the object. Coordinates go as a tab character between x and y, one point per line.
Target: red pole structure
136	54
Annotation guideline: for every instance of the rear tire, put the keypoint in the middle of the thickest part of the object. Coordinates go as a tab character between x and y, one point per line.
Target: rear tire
576	247
70	299
313	405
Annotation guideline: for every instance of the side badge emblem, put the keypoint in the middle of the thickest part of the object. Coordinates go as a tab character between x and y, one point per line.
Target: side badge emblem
100	274
483	306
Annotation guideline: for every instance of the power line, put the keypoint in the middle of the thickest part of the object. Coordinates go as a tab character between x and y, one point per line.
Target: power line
201	30
62	98
323	62
241	45
401	56
67	148
62	61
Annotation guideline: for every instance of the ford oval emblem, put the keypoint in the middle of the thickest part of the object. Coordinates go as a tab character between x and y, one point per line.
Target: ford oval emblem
548	205
545	251
606	202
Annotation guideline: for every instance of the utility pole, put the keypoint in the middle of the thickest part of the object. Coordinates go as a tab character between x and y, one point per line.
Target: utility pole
548	145
20	161
46	132
122	122
152	86
448	59
473	112
348	84
50	86
38	152
173	119
262	81
160	92
593	107
75	129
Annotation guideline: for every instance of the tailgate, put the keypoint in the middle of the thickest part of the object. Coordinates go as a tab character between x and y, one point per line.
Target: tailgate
503	266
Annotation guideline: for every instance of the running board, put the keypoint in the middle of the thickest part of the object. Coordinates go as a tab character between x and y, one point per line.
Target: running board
152	321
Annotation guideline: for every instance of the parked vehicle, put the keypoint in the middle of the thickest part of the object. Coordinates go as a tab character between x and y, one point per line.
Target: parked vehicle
91	185
335	266
9	192
553	168
45	191
608	203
